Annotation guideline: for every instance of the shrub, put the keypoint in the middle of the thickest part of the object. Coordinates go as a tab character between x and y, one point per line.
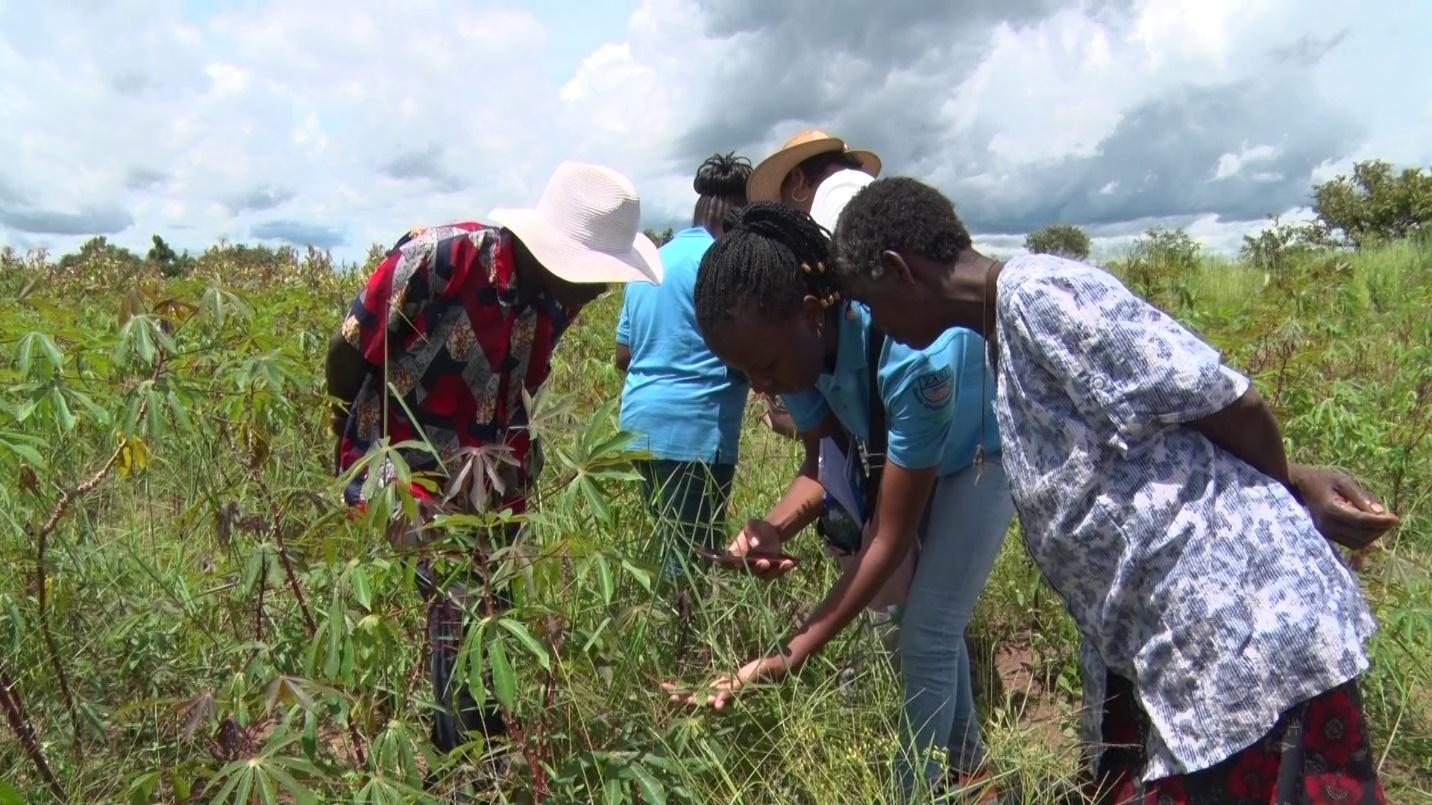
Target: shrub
1064	240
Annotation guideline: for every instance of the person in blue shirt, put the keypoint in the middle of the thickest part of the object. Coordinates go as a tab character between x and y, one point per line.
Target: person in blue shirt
682	402
767	304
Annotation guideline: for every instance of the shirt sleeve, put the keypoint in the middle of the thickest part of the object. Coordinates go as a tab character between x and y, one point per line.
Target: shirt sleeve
624	322
919	411
1117	354
807	408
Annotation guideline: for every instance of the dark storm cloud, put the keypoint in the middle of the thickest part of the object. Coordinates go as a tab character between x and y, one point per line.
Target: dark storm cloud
867	70
879	74
1163	161
1308	50
142	178
299	233
101	219
425	164
258	198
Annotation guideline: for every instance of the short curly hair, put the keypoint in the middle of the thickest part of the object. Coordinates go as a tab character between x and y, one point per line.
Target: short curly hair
896	214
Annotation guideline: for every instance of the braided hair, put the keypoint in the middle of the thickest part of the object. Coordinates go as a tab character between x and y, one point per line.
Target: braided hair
721	186
771	258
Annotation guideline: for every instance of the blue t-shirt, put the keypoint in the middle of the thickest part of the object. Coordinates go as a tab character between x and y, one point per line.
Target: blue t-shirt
932	396
682	401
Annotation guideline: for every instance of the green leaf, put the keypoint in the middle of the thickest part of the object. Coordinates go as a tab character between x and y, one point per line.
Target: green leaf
252	567
534	647
26	354
613	792
299	793
473	654
8	794
95	412
332	661
651	788
156	415
362	590
266	792
141	788
181	413
144	341
596	499
23	449
62	410
504	681
642	577
17	623
605	580
246	784
52	352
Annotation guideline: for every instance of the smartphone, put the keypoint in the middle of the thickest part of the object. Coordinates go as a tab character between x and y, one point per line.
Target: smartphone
742	562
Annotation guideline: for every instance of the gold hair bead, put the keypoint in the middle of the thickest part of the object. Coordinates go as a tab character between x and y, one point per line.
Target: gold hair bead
820	267
805	267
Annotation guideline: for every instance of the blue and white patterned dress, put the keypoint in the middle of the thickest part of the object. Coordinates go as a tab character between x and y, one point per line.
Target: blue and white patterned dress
1188	572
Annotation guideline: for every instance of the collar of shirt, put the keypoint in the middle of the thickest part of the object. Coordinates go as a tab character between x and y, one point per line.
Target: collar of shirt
850	342
502	277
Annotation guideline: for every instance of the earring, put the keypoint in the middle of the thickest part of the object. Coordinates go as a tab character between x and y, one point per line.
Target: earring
800	199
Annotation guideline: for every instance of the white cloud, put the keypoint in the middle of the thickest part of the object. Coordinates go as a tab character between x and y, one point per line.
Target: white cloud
356	120
1230	165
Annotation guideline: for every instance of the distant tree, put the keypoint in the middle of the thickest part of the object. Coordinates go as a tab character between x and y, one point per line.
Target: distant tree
660	238
1064	240
1273	249
1159	263
1375	203
98	254
169	263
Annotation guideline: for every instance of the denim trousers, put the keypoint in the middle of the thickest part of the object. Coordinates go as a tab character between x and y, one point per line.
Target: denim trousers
968	517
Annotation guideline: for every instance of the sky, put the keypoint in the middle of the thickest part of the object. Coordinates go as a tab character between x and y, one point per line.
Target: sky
342	124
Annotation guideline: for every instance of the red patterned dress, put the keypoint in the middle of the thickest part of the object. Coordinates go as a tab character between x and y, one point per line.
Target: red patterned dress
440	326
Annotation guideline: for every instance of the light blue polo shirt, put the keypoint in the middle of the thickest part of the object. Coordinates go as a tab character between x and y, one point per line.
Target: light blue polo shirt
932	396
682	401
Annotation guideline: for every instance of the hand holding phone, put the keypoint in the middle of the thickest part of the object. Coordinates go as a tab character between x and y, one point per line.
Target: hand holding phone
765	565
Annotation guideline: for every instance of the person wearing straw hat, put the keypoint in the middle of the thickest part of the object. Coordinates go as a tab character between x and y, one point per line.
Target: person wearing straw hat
430	368
815	173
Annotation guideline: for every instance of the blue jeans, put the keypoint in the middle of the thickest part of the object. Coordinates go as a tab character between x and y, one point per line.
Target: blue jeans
965	527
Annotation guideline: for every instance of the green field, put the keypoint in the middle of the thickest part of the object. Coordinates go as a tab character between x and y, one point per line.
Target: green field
186	613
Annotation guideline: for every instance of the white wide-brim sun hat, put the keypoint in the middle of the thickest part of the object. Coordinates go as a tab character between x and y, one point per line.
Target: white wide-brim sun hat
586	228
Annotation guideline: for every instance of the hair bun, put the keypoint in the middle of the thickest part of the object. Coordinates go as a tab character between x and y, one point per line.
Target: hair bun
722	175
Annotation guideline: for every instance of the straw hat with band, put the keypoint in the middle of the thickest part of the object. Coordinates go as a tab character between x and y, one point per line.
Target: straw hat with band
586	228
766	180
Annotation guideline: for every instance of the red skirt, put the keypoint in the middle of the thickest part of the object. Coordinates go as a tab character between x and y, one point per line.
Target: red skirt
1318	752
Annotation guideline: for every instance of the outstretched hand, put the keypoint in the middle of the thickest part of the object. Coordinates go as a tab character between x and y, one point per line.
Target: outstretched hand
1341	509
719	692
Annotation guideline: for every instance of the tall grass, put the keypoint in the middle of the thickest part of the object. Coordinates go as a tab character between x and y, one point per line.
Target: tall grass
226	632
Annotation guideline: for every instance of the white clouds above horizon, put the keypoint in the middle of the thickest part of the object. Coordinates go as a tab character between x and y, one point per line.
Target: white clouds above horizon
344	124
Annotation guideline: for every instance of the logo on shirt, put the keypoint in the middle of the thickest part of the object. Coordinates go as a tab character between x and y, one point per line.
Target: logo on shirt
934	388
